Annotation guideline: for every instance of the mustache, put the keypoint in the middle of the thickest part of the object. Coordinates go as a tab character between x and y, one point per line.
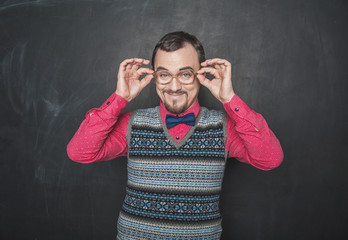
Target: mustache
175	92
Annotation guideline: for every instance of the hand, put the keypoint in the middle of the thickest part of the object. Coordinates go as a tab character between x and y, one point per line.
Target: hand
221	85
128	84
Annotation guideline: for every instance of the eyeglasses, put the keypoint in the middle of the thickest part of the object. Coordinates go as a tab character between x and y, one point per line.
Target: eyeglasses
185	77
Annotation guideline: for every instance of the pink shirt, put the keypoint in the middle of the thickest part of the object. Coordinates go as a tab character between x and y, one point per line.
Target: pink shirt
102	135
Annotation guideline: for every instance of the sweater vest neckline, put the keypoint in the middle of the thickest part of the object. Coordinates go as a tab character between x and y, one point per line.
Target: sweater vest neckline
187	136
176	144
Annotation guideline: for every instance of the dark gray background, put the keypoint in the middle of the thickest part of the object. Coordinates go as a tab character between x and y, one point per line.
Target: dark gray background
60	58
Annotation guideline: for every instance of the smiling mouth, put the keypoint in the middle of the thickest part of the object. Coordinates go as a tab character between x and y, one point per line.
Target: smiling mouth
178	93
175	94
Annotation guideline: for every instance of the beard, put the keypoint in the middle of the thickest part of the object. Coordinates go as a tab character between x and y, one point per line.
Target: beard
173	108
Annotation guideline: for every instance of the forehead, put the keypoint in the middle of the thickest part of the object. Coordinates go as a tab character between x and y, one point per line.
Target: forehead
173	61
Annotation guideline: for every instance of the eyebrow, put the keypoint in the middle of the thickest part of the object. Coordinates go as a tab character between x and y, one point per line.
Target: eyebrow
184	68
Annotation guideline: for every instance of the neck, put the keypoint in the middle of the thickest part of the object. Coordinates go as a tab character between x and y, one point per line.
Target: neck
195	108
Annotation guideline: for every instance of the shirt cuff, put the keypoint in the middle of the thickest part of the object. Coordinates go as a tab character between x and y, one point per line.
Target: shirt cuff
239	112
111	107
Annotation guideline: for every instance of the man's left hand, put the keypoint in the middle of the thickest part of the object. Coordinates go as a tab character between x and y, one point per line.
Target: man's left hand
221	85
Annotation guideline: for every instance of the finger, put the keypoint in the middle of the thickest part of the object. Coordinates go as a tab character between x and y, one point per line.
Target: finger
210	61
147	78
142	71
135	66
145	81
139	61
216	61
124	63
219	66
204	64
210	70
128	63
204	81
143	61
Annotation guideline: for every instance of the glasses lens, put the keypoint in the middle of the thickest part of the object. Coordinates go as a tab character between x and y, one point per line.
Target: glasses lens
163	77
186	77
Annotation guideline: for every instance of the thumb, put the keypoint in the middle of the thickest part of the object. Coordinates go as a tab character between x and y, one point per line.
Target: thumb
204	81
145	81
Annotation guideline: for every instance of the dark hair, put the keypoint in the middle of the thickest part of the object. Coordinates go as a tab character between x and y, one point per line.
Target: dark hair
176	40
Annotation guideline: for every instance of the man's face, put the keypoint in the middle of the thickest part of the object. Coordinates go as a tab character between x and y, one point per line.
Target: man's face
177	98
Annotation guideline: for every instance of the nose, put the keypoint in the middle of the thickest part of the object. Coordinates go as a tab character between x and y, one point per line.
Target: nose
174	85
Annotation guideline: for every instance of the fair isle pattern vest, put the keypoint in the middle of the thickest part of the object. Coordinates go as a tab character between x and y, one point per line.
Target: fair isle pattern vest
173	188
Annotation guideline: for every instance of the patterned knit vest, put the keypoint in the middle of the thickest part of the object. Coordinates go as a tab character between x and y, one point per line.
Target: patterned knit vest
173	188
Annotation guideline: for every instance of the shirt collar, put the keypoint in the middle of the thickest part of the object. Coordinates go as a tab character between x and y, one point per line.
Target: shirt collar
195	109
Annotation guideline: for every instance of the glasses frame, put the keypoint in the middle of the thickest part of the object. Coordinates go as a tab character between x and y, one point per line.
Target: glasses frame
174	76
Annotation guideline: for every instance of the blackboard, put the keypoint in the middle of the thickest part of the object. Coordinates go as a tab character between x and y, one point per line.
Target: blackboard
60	58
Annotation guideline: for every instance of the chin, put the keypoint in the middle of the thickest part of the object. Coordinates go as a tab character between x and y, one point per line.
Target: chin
175	109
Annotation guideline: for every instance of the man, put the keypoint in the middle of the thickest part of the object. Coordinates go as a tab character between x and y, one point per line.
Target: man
177	151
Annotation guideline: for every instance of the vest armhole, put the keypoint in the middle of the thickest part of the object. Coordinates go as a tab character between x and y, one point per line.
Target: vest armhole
224	126
129	128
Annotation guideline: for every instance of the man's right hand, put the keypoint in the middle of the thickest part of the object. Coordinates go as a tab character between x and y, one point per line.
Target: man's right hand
129	84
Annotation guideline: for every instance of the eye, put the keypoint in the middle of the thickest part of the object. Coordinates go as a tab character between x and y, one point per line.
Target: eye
163	75
186	75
